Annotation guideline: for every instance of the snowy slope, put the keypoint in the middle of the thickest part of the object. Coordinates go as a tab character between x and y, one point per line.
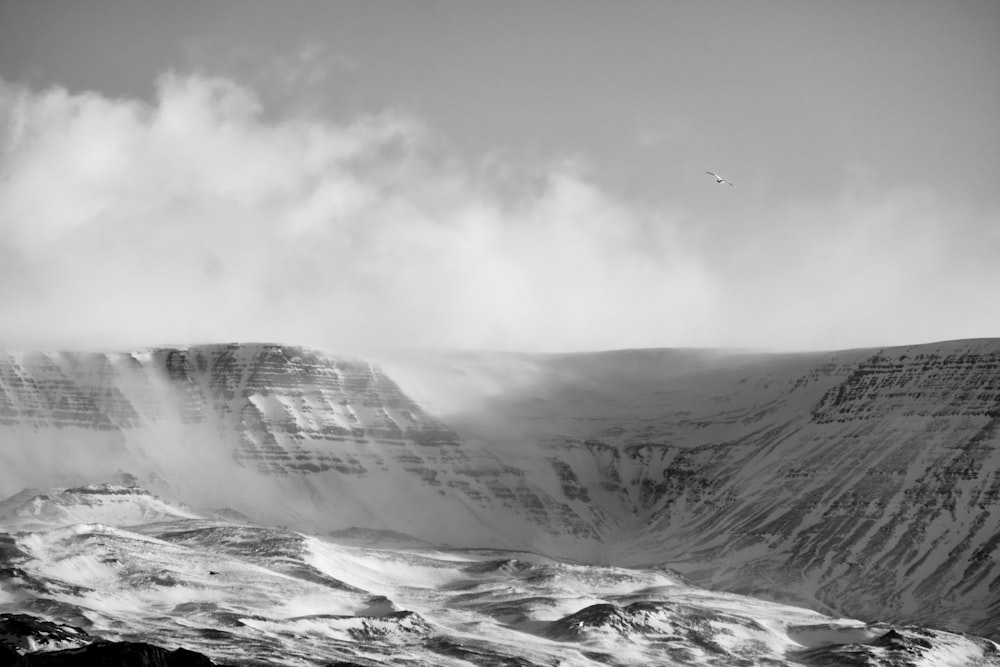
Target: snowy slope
113	504
860	482
258	595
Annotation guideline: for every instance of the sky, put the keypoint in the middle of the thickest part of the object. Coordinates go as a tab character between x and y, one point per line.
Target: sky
513	175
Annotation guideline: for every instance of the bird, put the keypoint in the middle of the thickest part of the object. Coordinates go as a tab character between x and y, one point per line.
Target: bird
719	179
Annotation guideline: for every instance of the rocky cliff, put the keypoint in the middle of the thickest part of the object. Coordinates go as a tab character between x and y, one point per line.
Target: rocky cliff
862	481
283	433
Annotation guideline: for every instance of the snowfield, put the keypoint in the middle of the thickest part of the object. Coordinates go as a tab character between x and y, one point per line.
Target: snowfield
240	592
270	503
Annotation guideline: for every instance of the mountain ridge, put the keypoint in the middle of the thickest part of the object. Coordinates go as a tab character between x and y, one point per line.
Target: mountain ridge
806	476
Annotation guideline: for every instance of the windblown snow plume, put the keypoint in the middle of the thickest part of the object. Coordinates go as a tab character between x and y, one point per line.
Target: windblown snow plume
858	483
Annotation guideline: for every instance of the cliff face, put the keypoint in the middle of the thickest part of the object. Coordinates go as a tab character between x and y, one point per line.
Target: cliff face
880	498
288	434
291	411
863	481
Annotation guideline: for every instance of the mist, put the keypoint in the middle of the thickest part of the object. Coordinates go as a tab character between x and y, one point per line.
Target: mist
208	215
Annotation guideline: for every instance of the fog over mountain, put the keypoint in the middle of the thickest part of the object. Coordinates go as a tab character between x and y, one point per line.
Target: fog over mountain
857	484
210	213
357	333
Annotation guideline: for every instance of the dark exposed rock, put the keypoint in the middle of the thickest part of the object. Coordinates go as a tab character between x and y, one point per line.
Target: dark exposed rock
120	654
11	658
895	641
28	641
603	615
9	552
29	633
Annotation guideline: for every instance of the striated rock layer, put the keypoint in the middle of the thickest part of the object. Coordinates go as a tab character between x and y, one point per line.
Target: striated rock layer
863	482
287	434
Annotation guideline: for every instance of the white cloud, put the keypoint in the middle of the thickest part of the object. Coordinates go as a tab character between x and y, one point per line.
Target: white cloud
200	217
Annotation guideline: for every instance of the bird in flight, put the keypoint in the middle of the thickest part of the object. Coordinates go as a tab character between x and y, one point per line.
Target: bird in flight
719	179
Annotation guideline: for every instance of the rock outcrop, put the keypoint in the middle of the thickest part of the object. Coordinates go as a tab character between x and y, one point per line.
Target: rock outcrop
29	641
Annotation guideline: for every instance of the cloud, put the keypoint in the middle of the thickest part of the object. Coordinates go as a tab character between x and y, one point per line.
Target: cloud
204	216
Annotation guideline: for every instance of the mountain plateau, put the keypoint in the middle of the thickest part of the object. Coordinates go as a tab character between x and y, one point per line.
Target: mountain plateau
858	483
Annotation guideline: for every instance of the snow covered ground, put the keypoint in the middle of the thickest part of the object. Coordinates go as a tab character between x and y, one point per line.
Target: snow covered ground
858	483
240	592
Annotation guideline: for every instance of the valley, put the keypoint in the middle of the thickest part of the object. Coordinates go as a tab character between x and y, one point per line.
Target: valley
858	484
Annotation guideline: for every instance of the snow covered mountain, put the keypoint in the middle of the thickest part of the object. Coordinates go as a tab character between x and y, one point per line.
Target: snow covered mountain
245	594
861	483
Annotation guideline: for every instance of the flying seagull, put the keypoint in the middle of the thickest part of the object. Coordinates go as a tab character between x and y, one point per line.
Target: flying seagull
719	179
